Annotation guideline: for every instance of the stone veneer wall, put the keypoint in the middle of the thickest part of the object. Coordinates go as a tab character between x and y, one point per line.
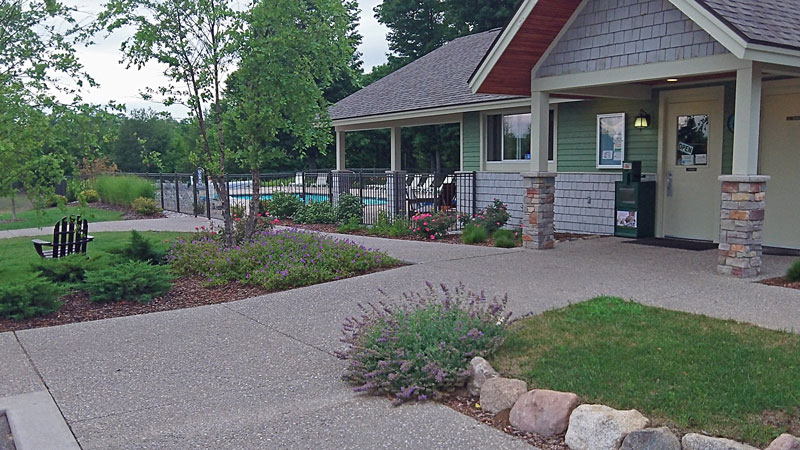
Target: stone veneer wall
584	202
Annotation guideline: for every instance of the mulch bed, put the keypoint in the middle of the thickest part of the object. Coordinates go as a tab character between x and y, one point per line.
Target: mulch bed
186	292
782	282
462	402
449	239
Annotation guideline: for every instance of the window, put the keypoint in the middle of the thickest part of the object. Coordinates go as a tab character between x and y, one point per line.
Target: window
610	140
692	140
508	137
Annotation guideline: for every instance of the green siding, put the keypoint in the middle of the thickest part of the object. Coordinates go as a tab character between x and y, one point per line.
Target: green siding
577	134
472	141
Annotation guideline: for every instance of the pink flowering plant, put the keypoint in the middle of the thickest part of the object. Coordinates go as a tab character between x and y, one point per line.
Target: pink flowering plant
274	259
431	226
420	346
494	217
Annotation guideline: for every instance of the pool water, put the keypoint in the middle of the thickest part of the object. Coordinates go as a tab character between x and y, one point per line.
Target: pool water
316	198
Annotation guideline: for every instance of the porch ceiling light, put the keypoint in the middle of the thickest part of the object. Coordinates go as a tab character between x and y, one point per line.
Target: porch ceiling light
641	121
672	80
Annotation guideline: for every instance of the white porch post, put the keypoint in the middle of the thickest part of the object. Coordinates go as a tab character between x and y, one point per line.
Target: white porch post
744	192
540	130
340	148
396	149
747	120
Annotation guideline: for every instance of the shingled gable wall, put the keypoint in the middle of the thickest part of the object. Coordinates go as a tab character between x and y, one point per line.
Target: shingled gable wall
609	34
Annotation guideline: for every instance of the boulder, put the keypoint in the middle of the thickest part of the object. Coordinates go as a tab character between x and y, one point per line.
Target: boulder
694	441
544	412
480	370
598	427
500	393
785	442
651	439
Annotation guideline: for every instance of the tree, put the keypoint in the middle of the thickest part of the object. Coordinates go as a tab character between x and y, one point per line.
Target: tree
291	50
37	38
197	42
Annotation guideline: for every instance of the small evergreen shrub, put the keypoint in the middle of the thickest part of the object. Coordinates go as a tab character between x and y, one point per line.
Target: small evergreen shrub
146	206
139	248
353	224
69	269
28	297
284	205
132	280
474	234
386	227
90	196
122	190
321	212
432	226
349	207
494	217
793	274
505	239
421	346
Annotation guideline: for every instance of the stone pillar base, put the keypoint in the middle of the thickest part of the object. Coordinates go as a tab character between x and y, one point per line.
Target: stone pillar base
741	224
341	181
538	200
396	193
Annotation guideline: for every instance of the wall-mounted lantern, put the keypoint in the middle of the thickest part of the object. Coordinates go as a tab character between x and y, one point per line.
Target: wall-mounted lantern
641	121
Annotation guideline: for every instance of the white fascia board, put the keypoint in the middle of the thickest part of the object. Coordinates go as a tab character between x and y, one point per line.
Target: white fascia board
773	55
502	43
433	116
645	72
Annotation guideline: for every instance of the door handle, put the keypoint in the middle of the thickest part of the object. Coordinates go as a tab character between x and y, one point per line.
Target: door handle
669	184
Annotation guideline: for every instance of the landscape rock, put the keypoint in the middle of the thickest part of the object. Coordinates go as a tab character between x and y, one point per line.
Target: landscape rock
694	441
543	412
598	427
785	442
481	371
651	439
500	393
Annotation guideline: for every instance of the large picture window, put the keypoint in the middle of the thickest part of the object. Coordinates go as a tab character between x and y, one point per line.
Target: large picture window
508	137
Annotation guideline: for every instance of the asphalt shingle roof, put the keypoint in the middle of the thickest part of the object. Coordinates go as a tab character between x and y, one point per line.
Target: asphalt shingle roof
769	22
438	79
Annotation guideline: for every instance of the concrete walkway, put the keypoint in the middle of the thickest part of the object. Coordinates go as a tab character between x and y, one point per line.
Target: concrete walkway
186	223
259	373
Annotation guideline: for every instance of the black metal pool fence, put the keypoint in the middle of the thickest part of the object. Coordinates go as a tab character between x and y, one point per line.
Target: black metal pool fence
385	194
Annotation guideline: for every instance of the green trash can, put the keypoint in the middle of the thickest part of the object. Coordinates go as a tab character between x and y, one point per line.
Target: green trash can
634	203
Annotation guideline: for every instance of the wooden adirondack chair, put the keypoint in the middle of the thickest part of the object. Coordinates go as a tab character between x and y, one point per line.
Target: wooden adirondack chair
70	235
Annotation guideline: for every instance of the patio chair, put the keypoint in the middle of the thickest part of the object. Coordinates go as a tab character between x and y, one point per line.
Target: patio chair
418	204
447	196
70	236
298	180
322	180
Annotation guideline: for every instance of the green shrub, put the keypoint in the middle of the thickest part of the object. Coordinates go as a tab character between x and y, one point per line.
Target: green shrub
122	190
474	234
421	346
132	280
349	207
388	228
284	205
353	224
70	269
494	217
264	206
321	212
139	248
56	200
146	206
505	239
90	196
238	211
29	296
433	226
793	274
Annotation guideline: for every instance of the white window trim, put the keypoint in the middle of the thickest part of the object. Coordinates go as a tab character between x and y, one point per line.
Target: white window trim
597	142
485	137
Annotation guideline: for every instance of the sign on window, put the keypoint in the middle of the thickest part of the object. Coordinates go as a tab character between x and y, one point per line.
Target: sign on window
692	140
610	140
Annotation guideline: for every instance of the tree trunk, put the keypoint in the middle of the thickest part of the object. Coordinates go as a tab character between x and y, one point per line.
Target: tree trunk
222	191
13	208
252	217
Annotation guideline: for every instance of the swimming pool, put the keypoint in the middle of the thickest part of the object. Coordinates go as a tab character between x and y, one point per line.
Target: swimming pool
316	198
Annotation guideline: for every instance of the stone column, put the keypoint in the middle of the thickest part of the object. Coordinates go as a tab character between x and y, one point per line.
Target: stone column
741	224
395	193
538	201
341	181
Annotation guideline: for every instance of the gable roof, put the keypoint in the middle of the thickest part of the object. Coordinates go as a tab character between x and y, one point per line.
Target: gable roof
766	22
438	79
761	30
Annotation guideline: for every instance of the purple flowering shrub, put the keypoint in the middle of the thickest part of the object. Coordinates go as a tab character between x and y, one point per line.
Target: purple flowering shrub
421	346
274	259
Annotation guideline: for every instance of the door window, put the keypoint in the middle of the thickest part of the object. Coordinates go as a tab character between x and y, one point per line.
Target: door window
692	147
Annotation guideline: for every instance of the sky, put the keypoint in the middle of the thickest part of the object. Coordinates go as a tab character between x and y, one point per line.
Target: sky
101	61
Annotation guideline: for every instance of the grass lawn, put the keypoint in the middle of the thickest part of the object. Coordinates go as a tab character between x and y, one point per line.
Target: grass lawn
18	253
48	217
682	370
